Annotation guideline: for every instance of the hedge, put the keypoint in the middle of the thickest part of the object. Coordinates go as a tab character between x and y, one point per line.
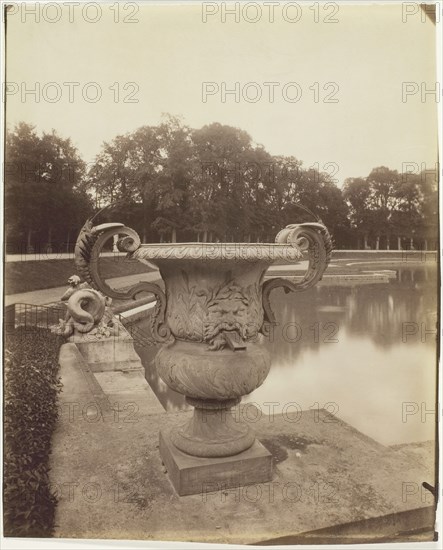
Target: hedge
31	387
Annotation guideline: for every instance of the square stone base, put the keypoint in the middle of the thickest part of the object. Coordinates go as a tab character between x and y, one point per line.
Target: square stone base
115	353
191	475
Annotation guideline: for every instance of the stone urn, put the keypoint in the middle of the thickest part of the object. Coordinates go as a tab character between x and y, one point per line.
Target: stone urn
211	320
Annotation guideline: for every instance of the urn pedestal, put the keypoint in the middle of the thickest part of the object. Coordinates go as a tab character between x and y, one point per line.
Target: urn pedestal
213	382
213	449
212	319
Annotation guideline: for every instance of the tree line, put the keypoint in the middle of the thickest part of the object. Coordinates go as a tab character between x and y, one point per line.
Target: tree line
174	183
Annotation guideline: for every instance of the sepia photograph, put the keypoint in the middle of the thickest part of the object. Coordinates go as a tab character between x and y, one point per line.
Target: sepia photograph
221	274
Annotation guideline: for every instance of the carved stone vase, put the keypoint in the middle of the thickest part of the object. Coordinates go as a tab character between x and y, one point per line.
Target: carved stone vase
211	320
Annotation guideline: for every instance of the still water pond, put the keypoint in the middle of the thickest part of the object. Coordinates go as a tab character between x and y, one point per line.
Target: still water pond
365	352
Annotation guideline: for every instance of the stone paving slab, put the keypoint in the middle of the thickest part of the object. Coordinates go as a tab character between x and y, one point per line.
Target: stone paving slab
129	391
107	473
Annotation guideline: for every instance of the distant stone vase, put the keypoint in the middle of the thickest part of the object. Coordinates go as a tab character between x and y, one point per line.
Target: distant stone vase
211	319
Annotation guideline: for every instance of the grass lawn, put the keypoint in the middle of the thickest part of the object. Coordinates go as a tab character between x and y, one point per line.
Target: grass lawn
37	275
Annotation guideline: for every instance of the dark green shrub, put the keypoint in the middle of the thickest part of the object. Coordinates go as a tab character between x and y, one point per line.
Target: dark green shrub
31	385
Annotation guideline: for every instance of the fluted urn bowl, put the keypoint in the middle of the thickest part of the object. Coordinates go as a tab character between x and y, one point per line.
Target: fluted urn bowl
211	319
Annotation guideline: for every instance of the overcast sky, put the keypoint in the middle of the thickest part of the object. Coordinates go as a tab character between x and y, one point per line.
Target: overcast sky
169	52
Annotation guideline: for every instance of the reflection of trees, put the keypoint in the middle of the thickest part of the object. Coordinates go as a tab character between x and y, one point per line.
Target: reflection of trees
375	311
315	318
306	320
382	311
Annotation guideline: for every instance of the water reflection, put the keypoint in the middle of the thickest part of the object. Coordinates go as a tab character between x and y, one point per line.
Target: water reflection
369	349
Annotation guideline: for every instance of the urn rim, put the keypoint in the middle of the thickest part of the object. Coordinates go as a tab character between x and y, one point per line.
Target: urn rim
267	252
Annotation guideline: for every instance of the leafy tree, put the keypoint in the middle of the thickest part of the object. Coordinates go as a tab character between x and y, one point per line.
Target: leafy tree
226	178
126	172
149	170
315	190
212	183
384	201
357	193
417	213
388	204
174	177
43	187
